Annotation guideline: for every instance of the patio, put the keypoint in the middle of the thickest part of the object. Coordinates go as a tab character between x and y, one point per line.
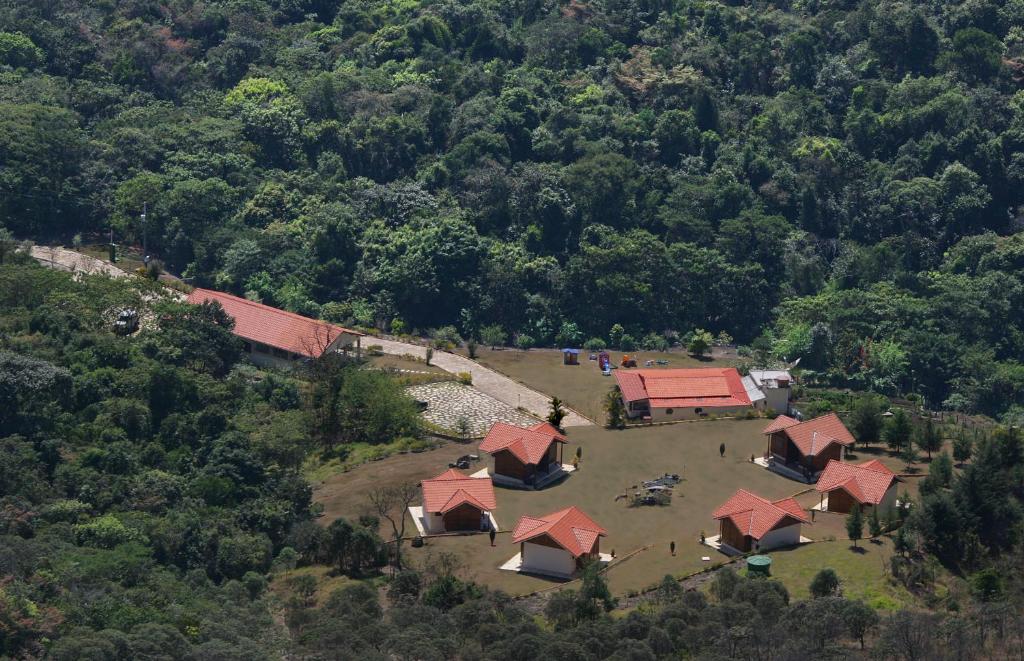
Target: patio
554	474
515	563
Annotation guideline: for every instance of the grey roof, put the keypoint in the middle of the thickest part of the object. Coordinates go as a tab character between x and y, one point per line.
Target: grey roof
769	378
753	392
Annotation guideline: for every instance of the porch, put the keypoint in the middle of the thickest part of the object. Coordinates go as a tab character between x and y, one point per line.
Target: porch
540	478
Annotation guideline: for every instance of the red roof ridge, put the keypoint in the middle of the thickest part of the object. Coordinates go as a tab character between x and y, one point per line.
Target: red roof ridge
570	528
527	445
255	304
867	482
452	488
755	516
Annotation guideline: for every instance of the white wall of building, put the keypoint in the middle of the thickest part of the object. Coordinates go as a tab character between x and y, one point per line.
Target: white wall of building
889	499
689	413
777	399
786	536
547	560
433	522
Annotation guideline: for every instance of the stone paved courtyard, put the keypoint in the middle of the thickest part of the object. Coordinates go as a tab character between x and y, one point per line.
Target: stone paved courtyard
448	401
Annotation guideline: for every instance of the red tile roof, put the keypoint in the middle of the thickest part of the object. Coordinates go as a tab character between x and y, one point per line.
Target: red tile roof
527	445
452	488
548	428
780	423
570	528
755	516
631	385
276	328
813	436
683	388
866	482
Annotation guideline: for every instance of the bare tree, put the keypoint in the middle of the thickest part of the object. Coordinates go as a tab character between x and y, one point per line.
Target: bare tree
391	503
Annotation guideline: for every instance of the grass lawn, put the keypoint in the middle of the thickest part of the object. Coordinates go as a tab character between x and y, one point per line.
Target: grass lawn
863	571
582	386
613	461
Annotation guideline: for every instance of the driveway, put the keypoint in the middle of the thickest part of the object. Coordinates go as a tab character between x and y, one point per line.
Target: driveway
493	383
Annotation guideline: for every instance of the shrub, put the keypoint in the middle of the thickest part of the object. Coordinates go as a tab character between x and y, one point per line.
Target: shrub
446	337
627	342
655	342
524	341
825	583
465	378
595	344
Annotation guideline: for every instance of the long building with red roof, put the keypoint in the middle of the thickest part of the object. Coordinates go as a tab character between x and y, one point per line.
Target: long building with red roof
558	543
870	484
454	501
681	394
748	522
278	337
809	445
524	455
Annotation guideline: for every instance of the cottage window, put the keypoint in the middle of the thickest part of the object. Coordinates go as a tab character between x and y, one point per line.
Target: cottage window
668	411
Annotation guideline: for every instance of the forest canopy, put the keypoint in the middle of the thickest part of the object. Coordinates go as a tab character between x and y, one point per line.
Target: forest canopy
843	179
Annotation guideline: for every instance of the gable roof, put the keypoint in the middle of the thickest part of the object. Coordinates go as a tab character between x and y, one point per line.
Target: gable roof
452	488
681	388
812	436
570	528
276	328
866	482
527	445
780	423
755	516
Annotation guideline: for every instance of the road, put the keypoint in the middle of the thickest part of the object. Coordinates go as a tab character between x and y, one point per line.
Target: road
493	383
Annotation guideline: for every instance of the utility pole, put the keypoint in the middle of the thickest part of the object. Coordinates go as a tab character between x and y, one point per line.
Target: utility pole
145	243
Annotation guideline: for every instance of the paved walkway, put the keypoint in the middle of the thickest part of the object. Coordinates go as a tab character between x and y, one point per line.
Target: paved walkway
485	379
447	401
75	262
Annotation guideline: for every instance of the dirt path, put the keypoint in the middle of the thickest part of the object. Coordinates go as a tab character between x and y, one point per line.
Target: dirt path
485	379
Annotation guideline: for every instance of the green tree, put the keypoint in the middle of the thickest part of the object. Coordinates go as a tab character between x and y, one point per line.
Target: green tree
941	470
963	447
825	583
17	51
615	335
898	430
615	409
493	335
557	413
860	618
928	438
866	419
700	342
874	523
855	524
976	54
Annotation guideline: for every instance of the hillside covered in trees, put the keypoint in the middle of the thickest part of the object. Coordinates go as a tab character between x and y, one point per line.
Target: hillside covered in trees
152	507
841	178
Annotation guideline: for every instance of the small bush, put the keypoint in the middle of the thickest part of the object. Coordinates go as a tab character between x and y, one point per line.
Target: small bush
465	378
595	344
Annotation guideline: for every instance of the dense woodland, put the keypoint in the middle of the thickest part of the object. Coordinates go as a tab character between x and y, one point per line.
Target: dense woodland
838	182
842	179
